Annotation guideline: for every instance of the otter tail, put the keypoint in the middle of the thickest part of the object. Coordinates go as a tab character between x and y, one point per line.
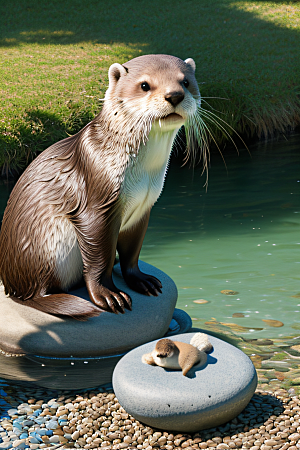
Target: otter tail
201	342
62	305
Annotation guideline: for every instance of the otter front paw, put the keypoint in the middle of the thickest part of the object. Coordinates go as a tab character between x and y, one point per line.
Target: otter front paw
142	283
147	358
110	300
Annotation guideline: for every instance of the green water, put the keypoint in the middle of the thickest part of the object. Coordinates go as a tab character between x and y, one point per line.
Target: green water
241	234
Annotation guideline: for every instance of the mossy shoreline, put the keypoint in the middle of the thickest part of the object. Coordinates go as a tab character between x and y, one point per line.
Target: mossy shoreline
54	58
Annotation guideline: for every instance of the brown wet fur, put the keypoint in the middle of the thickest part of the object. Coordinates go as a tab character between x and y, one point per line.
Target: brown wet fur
188	356
164	348
58	184
79	180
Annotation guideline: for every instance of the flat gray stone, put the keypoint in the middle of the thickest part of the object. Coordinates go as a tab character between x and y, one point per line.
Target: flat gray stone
165	399
33	332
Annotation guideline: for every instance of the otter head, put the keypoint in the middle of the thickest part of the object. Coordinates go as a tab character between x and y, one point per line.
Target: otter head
159	89
165	348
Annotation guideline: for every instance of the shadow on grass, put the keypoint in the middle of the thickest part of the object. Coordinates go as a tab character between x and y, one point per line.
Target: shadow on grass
168	25
250	65
37	131
238	54
204	30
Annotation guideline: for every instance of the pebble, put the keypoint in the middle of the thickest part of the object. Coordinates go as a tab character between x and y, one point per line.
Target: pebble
34	440
54	438
23	435
19	443
95	419
229	292
201	301
273	323
6	445
51	425
75	435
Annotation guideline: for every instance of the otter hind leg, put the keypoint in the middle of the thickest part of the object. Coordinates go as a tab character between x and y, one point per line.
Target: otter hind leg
64	262
64	250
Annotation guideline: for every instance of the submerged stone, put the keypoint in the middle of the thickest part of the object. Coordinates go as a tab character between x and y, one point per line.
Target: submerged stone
201	301
229	292
273	323
273	364
296	348
239	328
261	342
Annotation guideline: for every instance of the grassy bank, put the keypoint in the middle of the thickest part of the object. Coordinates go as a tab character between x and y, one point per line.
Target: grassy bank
54	58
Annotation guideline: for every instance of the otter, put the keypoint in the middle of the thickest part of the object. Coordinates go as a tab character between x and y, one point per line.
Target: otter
179	355
90	195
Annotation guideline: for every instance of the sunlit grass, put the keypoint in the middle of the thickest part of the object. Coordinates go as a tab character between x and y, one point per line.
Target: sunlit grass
54	58
48	92
285	14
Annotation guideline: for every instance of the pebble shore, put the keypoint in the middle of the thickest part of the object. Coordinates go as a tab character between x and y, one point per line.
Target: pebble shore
95	419
35	417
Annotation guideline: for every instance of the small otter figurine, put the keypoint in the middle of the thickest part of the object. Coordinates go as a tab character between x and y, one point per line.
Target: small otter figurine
179	355
91	194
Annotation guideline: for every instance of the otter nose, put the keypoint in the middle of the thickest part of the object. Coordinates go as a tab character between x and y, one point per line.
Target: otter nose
174	98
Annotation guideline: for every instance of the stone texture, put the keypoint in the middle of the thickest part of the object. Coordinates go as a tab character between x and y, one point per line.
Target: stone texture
167	400
31	331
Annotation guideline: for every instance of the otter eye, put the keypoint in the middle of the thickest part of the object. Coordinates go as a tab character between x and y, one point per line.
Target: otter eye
145	86
185	83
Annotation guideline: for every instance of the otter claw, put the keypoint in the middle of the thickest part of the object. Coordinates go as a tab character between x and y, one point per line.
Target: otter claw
152	289
123	301
108	299
143	283
120	302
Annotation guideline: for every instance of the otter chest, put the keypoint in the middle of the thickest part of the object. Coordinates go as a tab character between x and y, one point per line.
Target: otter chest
144	177
171	362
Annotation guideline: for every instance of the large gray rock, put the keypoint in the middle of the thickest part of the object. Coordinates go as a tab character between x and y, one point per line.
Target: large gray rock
26	330
208	397
72	372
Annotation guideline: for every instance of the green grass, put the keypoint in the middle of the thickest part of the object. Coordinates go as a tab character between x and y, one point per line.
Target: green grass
54	57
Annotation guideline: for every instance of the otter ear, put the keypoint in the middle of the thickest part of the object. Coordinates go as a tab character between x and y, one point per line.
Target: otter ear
190	62
115	72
